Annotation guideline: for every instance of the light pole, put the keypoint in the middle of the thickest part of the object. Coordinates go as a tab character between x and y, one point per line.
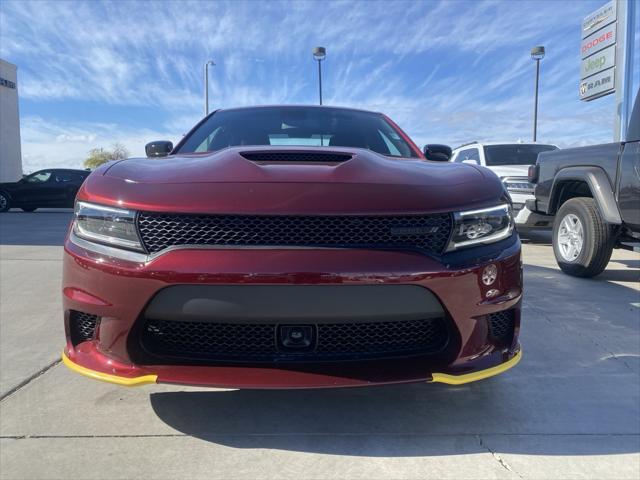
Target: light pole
537	54
206	86
319	53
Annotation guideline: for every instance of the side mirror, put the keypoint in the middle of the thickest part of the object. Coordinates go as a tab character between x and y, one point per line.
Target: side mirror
437	153
159	148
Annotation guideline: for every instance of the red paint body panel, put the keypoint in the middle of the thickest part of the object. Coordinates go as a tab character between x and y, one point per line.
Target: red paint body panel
129	286
225	182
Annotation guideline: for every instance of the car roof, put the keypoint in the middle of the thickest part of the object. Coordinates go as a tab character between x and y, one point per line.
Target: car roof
481	144
75	170
325	107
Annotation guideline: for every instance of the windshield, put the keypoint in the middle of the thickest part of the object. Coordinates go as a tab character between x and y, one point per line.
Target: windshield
300	126
517	154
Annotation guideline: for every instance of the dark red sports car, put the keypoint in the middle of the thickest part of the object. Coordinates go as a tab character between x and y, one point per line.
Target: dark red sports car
290	247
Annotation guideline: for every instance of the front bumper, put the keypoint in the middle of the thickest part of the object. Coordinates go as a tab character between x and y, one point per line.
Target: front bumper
436	377
118	291
519	200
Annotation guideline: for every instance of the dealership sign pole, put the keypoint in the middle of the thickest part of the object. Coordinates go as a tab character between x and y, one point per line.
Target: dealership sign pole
606	51
624	83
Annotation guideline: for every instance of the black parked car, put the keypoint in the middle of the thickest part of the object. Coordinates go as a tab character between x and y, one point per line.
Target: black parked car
47	188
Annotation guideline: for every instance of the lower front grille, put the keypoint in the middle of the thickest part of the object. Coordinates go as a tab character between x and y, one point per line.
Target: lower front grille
261	342
501	324
82	326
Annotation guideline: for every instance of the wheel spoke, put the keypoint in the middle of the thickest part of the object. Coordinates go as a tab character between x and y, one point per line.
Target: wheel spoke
570	237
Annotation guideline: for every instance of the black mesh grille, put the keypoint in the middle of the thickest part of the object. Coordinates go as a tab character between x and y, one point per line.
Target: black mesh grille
429	233
382	337
301	157
82	326
259	342
501	324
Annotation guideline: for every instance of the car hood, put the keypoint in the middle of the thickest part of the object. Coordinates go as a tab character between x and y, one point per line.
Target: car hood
226	181
229	165
511	170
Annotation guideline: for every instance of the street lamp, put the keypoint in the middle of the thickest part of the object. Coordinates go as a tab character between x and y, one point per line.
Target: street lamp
537	54
206	86
319	53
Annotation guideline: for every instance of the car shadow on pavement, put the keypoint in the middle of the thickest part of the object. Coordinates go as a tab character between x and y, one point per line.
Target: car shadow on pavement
576	392
632	275
536	237
41	228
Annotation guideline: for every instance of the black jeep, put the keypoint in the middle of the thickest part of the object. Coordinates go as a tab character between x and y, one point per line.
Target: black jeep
594	193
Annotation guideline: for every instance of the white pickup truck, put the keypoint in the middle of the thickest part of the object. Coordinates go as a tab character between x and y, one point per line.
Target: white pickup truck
510	161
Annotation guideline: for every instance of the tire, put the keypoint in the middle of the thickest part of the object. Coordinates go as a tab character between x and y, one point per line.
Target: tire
5	203
29	209
582	241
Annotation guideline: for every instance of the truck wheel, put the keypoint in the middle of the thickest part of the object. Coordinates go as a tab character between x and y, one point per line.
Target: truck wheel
5	204
582	241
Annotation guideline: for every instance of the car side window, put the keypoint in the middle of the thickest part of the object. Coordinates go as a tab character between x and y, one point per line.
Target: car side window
468	154
208	142
39	177
393	150
64	177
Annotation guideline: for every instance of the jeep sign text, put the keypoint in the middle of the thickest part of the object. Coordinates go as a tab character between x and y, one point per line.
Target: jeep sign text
598	62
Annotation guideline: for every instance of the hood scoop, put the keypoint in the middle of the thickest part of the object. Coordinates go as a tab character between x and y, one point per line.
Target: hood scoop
297	157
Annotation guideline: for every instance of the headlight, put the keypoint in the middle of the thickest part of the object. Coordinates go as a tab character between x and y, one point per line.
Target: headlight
108	225
516	185
481	226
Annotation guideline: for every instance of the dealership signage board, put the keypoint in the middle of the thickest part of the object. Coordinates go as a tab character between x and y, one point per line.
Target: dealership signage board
598	19
598	52
597	85
7	83
598	41
598	62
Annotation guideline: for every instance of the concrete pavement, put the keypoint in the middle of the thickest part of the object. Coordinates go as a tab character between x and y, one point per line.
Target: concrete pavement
571	409
30	275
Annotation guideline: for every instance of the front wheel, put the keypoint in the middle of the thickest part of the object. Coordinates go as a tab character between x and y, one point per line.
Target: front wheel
5	204
582	241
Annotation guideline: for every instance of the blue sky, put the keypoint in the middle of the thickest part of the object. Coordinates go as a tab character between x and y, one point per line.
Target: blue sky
93	73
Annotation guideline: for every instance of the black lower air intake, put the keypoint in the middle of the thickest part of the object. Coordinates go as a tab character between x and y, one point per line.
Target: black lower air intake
82	326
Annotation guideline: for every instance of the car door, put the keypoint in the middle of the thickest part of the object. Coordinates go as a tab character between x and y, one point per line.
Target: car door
629	186
67	184
629	172
37	189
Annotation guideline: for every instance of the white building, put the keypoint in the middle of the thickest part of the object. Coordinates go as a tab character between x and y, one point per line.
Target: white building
10	155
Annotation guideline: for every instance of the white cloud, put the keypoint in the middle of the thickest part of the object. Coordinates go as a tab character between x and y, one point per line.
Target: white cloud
447	71
60	144
66	138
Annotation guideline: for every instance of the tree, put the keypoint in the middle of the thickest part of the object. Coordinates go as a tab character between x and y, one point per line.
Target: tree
98	156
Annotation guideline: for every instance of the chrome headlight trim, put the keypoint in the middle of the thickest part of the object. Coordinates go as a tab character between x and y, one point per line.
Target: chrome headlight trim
107	225
459	218
107	251
518	184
